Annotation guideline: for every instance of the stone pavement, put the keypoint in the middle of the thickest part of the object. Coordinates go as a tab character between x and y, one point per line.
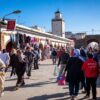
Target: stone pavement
41	86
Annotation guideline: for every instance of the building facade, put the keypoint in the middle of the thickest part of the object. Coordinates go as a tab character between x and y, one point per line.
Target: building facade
77	36
37	36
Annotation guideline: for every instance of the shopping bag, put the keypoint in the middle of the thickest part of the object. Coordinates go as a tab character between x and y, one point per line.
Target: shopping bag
56	70
61	80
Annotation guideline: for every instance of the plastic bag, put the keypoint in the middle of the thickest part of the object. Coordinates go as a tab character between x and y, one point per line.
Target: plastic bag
61	80
56	70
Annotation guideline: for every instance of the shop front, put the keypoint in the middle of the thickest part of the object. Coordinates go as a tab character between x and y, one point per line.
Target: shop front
24	36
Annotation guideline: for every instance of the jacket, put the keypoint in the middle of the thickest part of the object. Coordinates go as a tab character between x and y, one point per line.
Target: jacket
91	68
63	59
74	70
12	60
54	53
29	56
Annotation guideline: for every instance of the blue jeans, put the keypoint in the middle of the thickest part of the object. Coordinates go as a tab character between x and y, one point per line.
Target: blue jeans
73	88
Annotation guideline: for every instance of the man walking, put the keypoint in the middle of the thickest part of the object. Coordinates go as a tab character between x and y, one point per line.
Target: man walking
29	59
63	59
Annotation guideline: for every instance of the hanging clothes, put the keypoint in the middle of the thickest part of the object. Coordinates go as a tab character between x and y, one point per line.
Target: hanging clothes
28	39
17	40
20	38
25	38
12	39
32	40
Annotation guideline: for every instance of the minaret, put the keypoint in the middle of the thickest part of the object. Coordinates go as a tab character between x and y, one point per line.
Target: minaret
58	25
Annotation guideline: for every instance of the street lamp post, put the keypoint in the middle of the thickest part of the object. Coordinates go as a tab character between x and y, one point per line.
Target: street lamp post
14	12
3	19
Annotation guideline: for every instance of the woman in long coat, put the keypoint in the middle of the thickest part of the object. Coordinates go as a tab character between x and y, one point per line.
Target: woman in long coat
74	74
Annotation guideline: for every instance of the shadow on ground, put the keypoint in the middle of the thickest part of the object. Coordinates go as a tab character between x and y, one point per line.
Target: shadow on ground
56	97
46	64
98	98
11	88
11	79
52	96
40	84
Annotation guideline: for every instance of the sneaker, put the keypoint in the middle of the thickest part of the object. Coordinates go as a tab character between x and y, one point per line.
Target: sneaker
16	88
23	84
72	97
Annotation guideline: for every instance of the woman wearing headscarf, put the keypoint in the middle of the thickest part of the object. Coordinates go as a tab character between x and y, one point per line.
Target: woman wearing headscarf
74	73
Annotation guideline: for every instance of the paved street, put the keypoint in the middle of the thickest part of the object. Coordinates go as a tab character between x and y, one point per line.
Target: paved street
41	86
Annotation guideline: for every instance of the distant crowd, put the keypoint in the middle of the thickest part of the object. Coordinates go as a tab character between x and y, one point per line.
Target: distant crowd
80	66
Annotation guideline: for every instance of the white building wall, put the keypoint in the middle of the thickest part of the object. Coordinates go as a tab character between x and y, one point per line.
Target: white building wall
63	29
6	39
57	28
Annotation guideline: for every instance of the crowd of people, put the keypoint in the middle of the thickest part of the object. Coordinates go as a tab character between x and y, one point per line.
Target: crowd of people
79	66
20	62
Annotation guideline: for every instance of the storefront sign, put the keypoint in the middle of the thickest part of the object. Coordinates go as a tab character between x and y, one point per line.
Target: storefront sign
11	25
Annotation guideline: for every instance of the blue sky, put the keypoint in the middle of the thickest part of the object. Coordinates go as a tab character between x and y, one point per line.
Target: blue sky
79	15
